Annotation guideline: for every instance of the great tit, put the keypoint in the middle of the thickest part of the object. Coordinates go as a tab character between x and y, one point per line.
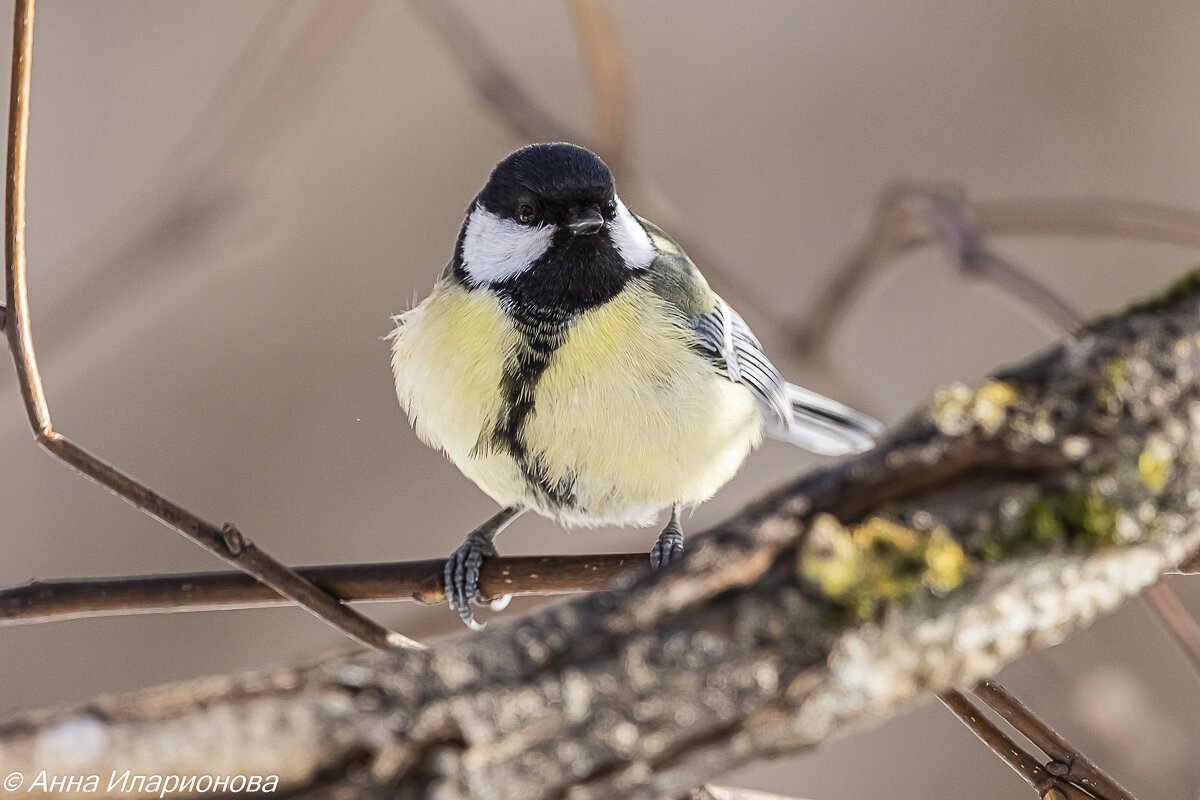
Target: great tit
571	360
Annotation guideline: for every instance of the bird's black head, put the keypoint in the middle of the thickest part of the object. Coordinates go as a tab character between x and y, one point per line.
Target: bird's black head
549	235
552	184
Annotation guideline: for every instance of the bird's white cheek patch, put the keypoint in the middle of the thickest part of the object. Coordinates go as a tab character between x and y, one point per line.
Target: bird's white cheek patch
495	249
631	239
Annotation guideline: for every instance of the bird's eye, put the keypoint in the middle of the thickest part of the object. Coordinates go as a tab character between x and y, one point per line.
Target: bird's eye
525	214
610	208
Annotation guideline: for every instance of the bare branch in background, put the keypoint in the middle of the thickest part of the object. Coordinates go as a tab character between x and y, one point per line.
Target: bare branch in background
211	200
912	216
611	79
1175	617
504	97
47	601
500	91
227	543
997	519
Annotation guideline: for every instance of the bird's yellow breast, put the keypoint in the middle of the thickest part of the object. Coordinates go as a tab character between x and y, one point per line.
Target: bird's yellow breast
625	412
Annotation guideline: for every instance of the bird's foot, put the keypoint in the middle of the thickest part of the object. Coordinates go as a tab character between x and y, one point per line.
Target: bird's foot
669	547
462	579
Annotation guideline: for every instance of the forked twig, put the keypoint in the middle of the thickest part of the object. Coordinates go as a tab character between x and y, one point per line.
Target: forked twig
227	542
907	217
1048	786
1067	762
911	216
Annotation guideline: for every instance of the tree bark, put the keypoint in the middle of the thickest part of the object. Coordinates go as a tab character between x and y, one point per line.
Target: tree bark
995	520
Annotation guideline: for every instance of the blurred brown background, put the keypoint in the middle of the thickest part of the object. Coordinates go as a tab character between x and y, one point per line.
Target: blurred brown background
232	356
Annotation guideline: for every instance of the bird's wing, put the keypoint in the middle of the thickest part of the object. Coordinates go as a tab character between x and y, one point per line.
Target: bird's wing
728	342
790	413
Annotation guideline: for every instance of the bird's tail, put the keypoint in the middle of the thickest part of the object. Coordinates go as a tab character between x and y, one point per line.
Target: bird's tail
824	426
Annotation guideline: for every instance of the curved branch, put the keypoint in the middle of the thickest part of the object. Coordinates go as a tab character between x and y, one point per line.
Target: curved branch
227	543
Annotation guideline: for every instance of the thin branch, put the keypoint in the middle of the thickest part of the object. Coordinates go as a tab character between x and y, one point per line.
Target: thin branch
1089	217
910	216
999	743
422	581
1175	617
20	338
502	93
228	543
611	79
1068	762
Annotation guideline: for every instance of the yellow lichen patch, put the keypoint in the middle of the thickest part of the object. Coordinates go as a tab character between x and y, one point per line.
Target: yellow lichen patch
1155	462
946	563
830	558
957	408
1114	376
864	567
879	532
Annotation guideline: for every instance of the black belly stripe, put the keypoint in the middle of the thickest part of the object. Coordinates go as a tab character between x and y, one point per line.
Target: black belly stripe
574	275
518	386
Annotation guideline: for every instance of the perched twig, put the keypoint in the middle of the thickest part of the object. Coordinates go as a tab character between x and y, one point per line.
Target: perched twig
611	79
1021	762
1066	762
995	520
46	601
227	542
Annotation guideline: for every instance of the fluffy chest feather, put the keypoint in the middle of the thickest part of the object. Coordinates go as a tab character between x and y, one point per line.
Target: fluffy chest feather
622	418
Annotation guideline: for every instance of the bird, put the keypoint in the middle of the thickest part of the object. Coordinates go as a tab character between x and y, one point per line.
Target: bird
572	361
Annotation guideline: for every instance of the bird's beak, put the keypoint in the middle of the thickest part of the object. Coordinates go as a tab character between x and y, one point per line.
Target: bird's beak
584	220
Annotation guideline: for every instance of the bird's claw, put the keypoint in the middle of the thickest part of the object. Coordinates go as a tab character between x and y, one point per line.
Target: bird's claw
462	579
668	549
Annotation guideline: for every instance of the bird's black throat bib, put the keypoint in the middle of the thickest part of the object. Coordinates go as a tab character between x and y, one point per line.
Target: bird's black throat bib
575	273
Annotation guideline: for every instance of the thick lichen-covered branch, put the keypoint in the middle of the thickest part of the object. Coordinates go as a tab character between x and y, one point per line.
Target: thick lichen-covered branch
997	519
